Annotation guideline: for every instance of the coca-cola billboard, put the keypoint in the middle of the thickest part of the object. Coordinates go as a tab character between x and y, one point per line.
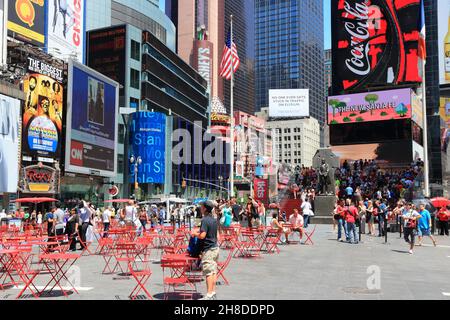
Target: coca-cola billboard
375	43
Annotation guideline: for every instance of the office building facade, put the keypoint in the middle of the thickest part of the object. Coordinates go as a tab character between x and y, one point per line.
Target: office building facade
289	54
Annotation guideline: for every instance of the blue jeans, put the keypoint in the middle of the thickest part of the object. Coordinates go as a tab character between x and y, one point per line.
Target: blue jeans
341	225
351	232
380	225
306	221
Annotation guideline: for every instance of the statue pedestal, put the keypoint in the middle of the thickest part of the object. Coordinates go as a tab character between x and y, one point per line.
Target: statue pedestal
323	207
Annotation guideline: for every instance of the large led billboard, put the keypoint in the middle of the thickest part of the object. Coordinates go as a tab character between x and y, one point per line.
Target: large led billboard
374	43
148	141
26	21
285	103
370	106
444	41
92	127
42	118
9	143
66	25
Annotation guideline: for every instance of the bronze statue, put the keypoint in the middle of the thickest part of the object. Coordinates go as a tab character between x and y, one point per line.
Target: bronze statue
324	179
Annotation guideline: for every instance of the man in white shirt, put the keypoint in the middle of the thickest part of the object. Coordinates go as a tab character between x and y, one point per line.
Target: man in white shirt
106	216
296	220
130	213
306	211
58	216
85	213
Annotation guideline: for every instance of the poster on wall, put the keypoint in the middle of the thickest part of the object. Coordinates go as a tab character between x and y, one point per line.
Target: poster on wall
26	21
444	41
42	119
285	103
92	123
148	141
66	28
374	43
9	143
370	106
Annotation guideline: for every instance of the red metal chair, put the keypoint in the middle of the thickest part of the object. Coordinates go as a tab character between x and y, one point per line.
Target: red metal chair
223	265
271	240
309	235
141	276
27	275
177	277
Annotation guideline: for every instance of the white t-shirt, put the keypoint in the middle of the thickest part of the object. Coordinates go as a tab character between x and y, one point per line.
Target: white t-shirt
130	213
306	208
39	218
106	216
296	221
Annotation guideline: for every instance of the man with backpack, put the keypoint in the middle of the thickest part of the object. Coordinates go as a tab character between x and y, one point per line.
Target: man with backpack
210	248
351	214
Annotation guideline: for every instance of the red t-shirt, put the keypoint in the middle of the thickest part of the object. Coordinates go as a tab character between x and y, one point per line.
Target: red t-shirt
443	215
350	214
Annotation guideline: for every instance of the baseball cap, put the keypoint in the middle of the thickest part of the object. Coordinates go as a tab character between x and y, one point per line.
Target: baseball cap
209	205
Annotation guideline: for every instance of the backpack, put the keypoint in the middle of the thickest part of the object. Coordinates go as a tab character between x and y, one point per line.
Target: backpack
194	247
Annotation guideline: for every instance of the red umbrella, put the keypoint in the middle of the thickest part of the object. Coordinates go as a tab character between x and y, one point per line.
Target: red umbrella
118	201
440	202
35	200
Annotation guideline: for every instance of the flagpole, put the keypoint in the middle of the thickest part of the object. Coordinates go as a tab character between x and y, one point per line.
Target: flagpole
231	193
425	134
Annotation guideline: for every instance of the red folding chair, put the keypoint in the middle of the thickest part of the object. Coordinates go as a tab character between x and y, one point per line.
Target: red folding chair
84	245
124	253
309	235
141	277
177	277
271	240
27	276
223	265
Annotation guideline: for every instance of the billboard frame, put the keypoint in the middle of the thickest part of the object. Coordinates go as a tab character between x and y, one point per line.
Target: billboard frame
67	166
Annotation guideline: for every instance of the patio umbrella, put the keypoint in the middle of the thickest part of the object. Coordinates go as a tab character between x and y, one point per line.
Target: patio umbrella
428	205
35	200
440	202
118	201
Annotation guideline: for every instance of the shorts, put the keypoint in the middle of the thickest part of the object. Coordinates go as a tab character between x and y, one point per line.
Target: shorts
424	232
410	235
209	262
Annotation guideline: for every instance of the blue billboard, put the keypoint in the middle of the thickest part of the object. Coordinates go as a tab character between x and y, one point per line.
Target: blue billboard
92	122
148	141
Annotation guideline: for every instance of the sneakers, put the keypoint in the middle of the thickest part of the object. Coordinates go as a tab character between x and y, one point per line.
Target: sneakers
410	252
213	297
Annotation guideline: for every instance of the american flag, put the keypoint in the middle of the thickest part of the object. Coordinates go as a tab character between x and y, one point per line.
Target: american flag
422	52
225	65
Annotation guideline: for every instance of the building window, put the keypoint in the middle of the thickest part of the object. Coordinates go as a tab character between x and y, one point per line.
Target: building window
121	133
135	50
120	163
134	103
134	79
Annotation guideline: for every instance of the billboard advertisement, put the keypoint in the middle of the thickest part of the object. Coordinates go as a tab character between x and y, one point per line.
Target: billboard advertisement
66	28
203	56
92	127
374	43
3	31
445	127
42	120
444	41
9	143
370	106
106	52
261	190
418	151
287	103
148	141
26	21
386	154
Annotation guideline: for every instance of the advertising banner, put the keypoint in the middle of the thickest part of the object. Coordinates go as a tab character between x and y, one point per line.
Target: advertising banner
39	179
203	56
374	43
9	143
287	103
42	120
417	109
445	119
106	52
373	106
261	190
66	28
148	141
26	21
444	41
92	127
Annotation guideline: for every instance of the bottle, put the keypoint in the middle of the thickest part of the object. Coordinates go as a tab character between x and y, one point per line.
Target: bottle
447	52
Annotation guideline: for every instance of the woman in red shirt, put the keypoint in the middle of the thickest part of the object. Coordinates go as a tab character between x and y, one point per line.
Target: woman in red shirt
339	216
443	218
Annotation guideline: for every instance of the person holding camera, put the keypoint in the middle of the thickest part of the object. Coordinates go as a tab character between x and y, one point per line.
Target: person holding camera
410	217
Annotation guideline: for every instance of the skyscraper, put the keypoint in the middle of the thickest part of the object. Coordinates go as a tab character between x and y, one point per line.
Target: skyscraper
328	72
214	15
289	50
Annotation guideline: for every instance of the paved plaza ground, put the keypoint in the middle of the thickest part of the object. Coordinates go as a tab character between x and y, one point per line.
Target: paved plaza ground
327	270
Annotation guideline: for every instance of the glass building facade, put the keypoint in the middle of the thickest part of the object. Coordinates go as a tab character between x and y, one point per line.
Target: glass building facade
289	50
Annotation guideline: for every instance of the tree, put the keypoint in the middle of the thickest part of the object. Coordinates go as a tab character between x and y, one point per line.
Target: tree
341	105
401	110
371	99
333	103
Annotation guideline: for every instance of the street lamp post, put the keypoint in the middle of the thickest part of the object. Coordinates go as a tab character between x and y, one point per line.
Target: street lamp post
136	162
220	183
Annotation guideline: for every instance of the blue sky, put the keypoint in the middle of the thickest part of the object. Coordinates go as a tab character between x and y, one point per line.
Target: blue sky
326	17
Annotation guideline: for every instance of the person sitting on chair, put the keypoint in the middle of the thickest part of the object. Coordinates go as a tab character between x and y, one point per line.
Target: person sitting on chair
296	220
